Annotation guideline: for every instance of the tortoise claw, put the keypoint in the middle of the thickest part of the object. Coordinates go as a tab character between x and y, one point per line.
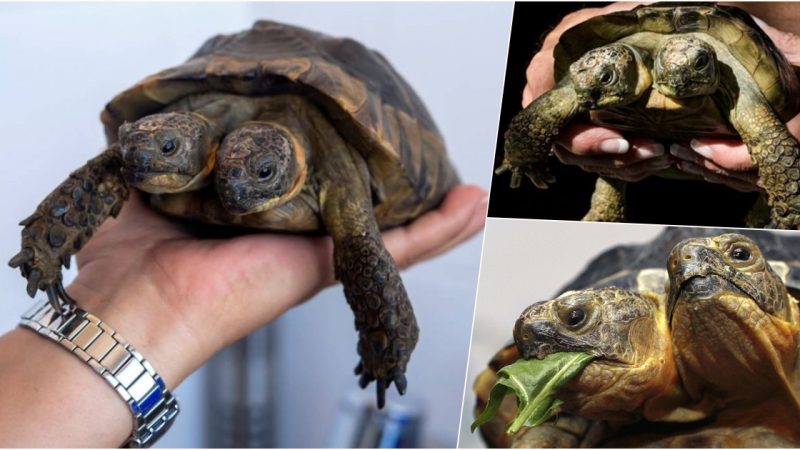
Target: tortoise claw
380	386
365	380
400	382
28	220
33	282
359	368
25	256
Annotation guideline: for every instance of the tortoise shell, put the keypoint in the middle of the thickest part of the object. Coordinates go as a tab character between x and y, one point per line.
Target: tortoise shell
733	27
361	93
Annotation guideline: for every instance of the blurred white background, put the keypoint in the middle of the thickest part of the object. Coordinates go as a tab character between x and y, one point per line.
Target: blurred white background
526	261
60	64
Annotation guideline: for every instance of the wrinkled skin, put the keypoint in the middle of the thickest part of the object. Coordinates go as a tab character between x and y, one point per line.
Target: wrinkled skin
634	374
735	331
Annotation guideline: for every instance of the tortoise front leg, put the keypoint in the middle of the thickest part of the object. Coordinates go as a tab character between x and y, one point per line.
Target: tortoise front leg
777	155
608	201
387	328
66	219
532	132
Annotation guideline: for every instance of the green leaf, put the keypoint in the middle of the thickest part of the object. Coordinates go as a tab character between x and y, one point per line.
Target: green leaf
534	382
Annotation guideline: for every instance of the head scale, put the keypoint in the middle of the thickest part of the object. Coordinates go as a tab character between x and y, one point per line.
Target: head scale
167	152
686	66
612	75
259	167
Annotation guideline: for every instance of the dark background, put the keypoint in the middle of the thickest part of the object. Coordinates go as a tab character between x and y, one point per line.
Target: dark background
653	200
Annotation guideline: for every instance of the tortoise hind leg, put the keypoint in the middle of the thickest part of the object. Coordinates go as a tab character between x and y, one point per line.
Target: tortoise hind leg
384	318
608	201
65	220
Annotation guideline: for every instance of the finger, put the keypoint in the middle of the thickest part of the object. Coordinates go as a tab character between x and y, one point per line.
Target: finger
461	215
609	161
587	139
740	181
730	154
638	171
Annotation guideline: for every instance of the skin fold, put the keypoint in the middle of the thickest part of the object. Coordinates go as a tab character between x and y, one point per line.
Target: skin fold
735	332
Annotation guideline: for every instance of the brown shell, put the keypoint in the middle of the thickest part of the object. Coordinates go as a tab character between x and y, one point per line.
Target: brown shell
370	103
730	25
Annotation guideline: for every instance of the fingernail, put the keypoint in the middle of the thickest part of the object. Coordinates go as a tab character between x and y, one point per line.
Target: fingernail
703	150
613	146
484	201
650	150
674	149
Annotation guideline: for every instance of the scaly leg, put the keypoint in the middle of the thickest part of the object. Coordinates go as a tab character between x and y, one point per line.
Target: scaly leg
65	220
532	132
387	328
777	155
608	201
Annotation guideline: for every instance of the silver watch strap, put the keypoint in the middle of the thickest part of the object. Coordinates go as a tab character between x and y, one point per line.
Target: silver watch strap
93	341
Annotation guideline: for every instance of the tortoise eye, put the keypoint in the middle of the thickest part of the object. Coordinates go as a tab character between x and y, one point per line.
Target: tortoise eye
740	254
576	317
265	172
168	147
607	77
701	62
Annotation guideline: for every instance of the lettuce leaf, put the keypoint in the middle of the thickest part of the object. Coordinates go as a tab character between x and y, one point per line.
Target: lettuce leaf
534	382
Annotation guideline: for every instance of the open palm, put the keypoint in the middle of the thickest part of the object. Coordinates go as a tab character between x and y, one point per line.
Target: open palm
214	291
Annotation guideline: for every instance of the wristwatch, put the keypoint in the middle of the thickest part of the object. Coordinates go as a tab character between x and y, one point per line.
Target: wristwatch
153	406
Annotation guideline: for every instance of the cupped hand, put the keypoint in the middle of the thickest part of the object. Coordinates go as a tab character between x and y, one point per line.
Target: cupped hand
191	296
608	152
593	148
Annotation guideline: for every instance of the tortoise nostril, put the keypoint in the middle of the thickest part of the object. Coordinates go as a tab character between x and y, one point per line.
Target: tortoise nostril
236	172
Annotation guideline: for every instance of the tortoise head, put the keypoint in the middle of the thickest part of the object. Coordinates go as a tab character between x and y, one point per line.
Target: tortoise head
725	267
686	66
612	75
167	152
734	327
625	331
260	166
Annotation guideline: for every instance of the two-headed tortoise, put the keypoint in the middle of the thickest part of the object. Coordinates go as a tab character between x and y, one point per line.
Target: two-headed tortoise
275	127
669	72
695	341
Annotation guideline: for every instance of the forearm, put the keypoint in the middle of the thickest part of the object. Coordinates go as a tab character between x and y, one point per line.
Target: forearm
49	397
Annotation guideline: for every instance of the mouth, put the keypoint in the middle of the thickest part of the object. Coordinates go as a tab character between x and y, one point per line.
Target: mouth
705	287
155	181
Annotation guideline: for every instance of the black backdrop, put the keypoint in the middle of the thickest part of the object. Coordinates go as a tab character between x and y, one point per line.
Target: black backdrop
654	200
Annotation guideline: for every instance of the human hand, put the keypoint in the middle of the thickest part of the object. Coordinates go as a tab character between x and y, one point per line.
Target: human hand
593	148
190	297
727	161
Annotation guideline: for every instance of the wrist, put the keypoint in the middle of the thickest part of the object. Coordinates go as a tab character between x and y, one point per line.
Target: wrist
39	381
139	313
